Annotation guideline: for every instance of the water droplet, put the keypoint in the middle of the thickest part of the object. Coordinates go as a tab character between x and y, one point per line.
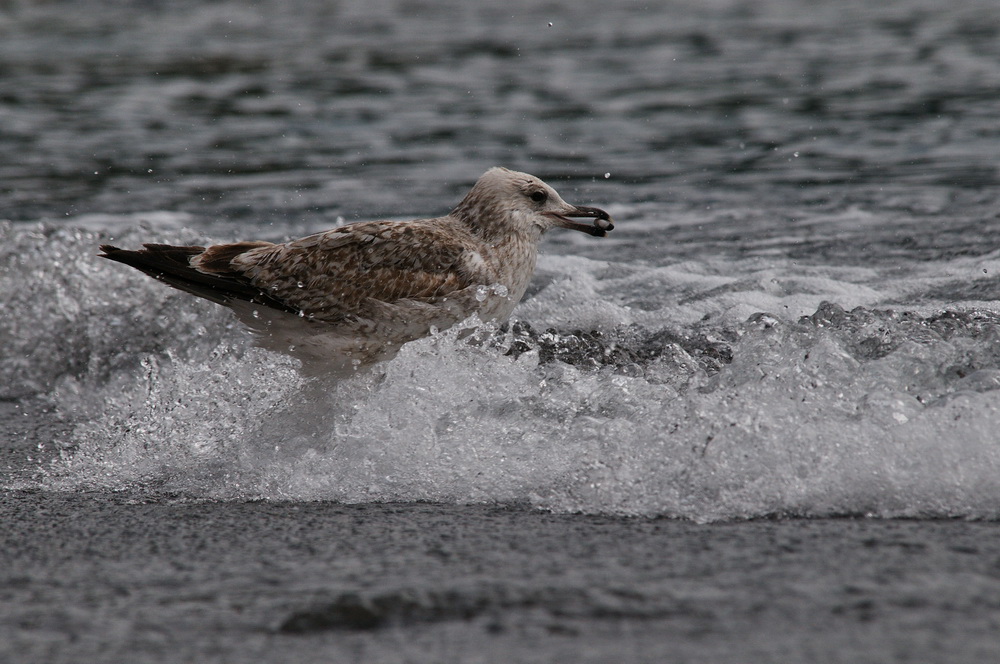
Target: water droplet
300	284
607	175
795	154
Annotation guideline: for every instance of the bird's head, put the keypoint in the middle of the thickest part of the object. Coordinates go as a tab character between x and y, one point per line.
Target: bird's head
505	201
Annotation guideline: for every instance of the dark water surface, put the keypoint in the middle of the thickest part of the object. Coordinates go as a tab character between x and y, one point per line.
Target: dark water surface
290	112
695	444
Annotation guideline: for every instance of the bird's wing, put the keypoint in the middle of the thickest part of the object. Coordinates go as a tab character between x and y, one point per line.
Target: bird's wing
336	273
172	265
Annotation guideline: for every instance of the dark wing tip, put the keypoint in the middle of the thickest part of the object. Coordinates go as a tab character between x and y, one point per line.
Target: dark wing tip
171	265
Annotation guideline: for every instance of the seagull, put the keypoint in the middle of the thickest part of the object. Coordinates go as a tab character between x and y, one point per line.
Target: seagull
353	295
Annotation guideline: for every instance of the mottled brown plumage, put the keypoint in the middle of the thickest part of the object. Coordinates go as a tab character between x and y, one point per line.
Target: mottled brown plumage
360	291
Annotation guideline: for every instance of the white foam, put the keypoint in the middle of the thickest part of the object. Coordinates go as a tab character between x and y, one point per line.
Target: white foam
881	414
795	425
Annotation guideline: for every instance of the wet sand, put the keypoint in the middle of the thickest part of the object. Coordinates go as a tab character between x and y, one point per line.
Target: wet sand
144	578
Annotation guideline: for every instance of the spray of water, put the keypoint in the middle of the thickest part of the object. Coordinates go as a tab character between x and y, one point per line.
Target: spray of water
840	412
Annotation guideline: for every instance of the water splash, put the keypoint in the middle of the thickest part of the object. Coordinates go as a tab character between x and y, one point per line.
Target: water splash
72	318
803	421
867	411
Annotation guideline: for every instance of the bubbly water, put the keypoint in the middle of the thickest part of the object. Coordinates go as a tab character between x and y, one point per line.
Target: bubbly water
702	389
797	313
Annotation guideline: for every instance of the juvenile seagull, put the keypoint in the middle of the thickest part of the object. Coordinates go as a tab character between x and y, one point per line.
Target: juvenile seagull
353	295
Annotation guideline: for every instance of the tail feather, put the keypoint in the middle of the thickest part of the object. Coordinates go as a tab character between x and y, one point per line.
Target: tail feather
172	265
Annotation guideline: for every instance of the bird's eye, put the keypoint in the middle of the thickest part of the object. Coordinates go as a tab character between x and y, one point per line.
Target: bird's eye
539	196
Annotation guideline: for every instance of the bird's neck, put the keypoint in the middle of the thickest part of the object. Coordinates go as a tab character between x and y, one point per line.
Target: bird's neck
515	259
494	225
511	243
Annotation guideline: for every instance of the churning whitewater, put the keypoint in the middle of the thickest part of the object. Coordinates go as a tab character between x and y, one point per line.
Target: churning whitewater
619	387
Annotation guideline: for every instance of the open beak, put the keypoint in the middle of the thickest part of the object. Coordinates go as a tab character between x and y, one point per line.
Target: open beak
598	228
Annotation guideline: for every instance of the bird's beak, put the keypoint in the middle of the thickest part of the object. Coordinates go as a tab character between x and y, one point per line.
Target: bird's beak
598	228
